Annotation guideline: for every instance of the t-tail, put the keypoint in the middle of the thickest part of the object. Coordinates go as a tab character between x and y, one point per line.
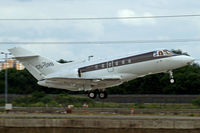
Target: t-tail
38	66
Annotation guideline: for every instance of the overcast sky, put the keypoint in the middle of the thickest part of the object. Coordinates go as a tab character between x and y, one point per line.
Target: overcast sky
99	30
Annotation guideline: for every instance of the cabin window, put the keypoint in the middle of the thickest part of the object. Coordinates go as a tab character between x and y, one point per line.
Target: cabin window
129	61
116	63
103	65
96	66
110	64
123	62
99	66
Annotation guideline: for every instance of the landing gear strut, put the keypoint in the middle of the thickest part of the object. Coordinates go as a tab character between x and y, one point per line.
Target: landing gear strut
171	77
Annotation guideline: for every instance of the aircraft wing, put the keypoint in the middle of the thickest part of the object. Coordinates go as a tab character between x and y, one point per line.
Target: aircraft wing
82	79
95	83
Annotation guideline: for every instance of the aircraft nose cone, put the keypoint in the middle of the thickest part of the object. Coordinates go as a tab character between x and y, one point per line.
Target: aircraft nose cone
192	60
183	60
188	60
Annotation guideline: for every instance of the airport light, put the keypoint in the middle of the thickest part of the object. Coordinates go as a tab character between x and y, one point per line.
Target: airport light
6	76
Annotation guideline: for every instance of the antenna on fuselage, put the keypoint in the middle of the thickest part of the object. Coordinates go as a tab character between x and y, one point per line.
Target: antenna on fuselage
89	57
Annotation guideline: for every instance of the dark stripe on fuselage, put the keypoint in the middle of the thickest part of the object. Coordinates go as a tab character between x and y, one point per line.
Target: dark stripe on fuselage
121	62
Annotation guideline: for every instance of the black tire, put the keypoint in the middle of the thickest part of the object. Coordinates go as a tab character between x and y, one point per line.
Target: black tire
103	95
92	94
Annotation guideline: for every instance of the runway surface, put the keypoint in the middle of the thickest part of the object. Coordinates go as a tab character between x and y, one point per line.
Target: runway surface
94	116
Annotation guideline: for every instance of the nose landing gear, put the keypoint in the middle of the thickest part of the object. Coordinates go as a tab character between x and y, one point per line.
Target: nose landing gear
171	77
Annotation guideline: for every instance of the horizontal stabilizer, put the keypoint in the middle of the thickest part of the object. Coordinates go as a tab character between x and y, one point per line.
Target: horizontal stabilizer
19	52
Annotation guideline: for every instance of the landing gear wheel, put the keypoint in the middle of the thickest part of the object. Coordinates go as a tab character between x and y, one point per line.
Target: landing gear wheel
92	95
172	81
103	95
171	77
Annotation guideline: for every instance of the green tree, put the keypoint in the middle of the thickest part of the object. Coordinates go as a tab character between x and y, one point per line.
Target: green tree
63	61
196	101
180	52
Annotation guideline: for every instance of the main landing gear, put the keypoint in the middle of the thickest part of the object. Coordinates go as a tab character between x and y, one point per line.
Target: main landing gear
171	77
101	94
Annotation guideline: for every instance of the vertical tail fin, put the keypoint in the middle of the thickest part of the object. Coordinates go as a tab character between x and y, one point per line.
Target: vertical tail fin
38	66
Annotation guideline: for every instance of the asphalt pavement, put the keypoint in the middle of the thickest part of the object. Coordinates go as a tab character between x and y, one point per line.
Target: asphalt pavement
70	116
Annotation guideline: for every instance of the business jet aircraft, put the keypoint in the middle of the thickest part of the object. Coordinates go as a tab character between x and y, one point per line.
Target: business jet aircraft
99	74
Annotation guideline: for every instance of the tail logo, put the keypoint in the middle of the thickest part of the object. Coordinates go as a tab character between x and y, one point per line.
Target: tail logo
44	65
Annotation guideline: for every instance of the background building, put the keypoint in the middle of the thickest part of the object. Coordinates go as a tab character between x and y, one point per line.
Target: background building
11	63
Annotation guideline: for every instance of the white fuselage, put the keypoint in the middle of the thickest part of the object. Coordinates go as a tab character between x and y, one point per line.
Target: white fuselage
98	74
123	72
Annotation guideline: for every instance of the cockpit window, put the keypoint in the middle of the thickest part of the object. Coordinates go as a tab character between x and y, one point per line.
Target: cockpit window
162	53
